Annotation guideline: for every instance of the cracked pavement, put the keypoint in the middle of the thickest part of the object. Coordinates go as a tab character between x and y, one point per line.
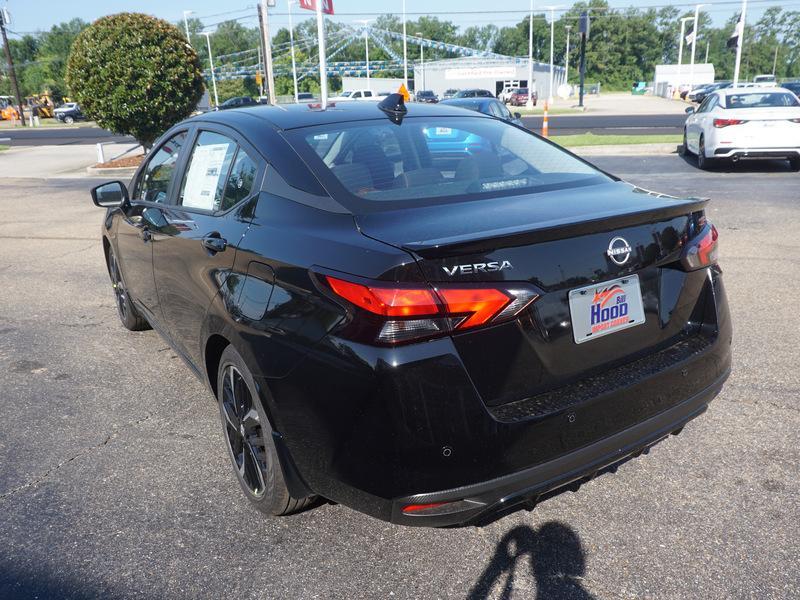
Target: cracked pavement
114	482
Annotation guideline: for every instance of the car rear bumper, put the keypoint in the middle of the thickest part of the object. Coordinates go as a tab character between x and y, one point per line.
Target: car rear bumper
565	473
379	429
756	153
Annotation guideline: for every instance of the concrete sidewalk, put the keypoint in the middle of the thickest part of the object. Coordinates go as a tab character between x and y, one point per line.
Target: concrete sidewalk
48	162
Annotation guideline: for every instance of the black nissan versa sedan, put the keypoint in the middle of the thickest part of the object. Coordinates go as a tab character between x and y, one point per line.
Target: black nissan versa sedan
424	313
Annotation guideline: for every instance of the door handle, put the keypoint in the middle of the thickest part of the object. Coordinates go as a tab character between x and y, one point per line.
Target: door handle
214	243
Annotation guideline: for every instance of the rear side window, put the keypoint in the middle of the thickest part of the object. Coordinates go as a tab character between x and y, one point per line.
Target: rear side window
761	100
437	159
219	174
153	183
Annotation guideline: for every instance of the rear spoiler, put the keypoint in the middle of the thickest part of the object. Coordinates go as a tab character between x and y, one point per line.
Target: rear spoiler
524	235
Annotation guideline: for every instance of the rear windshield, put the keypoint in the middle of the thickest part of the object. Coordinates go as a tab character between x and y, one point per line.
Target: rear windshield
434	160
760	100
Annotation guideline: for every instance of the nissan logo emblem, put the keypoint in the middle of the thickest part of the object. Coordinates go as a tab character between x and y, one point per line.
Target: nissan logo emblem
619	250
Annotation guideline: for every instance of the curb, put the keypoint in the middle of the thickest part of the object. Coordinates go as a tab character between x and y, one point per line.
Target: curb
626	150
122	172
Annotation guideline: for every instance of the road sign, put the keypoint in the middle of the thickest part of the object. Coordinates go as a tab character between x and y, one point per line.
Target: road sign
327	5
583	23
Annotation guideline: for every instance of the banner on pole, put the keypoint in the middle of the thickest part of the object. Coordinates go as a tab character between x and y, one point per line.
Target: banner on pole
327	5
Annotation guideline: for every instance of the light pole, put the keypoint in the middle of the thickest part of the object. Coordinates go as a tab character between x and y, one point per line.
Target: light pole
211	62
529	103
566	60
291	45
421	61
694	44
552	10
186	13
680	51
366	45
405	48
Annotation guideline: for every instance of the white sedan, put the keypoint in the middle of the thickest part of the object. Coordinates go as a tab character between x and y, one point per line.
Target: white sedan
744	123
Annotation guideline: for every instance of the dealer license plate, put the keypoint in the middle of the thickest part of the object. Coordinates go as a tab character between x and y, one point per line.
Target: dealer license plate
605	308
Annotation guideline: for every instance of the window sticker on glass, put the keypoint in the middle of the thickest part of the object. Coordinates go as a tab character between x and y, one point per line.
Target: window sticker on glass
203	176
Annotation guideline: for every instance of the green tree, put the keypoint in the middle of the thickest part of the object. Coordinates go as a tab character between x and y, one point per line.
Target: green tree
134	74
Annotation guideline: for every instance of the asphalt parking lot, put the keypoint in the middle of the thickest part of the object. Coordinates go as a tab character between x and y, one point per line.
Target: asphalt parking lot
114	482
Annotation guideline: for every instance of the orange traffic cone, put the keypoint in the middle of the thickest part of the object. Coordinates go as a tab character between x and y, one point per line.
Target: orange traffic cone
545	125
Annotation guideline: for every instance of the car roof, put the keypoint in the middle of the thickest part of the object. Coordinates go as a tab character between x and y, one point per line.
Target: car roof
751	89
292	116
479	101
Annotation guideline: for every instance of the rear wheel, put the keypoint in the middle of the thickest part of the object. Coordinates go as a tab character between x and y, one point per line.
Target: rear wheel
684	149
794	163
69	120
702	161
130	317
248	437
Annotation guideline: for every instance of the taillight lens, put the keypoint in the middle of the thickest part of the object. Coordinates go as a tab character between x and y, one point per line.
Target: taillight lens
701	251
795	120
398	313
719	123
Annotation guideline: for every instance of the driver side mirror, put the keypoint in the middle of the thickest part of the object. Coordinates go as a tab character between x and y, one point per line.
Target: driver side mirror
517	115
689	110
109	195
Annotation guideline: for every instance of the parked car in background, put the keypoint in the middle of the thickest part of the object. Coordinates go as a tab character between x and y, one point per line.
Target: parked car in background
360	95
474	93
426	96
506	93
792	86
744	123
488	106
69	112
765	79
699	94
238	102
305	96
449	93
520	97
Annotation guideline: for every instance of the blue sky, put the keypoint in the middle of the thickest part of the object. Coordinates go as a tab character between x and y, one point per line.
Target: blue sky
30	15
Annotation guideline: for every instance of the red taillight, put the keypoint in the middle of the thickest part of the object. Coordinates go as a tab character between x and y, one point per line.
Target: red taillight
406	313
701	251
416	508
719	123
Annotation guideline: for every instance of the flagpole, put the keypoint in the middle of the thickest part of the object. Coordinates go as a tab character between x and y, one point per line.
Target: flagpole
739	44
323	68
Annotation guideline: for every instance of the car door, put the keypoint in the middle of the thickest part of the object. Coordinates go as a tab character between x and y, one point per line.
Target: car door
141	216
693	126
203	225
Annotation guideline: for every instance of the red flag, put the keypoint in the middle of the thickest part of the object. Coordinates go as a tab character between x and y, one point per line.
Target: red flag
327	5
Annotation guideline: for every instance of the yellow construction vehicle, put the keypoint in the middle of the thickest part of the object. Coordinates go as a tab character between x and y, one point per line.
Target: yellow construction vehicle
8	111
44	102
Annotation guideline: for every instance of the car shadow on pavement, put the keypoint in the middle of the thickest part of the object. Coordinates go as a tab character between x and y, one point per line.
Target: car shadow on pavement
554	555
743	166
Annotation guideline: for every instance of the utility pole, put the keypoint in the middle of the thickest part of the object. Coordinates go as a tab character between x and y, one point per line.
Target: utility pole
4	19
364	23
291	46
421	63
529	103
552	35
405	48
680	51
566	60
775	61
583	29
323	65
708	45
211	62
694	44
264	22
739	45
186	13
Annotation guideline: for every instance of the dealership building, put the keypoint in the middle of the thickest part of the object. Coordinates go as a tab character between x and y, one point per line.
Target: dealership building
492	74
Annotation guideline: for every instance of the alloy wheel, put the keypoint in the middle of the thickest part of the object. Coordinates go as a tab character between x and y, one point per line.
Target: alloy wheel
120	294
243	431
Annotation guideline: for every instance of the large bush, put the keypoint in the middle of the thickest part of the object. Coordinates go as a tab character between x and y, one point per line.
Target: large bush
134	74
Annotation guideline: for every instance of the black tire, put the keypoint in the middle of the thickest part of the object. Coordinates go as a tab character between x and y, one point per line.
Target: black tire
248	439
703	162
683	149
128	315
794	163
69	120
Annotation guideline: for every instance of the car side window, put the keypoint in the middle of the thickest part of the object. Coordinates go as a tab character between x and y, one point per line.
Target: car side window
504	112
357	95
153	183
704	104
367	94
205	181
241	180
